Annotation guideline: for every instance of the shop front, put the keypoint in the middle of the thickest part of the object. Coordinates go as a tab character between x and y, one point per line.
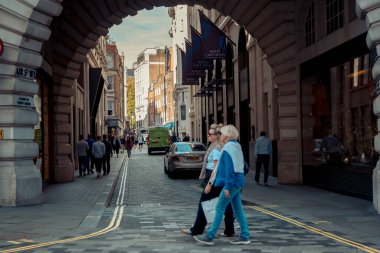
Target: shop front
338	124
114	127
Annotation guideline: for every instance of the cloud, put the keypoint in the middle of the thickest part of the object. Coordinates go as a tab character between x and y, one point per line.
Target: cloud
148	29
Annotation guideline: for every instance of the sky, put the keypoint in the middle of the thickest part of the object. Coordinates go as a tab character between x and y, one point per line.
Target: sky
147	29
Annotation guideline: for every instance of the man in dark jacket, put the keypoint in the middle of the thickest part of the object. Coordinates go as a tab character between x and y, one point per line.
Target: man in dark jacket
107	157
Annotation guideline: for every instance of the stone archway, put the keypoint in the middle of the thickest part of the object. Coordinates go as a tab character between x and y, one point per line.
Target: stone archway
77	29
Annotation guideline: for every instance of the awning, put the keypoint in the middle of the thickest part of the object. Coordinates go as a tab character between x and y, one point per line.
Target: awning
169	125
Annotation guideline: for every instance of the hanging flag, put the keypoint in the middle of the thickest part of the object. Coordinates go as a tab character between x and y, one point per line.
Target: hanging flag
215	45
197	49
187	78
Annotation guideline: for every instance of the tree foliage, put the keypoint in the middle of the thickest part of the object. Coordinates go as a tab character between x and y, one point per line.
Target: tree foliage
131	102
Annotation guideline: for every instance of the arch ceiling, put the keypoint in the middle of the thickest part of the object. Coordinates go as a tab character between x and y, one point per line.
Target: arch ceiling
82	22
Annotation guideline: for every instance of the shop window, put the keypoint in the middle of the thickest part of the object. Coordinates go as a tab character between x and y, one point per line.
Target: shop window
338	124
310	25
359	75
334	15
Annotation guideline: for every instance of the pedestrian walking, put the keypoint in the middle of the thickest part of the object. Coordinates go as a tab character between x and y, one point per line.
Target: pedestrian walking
117	146
135	139
230	176
262	154
82	153
122	142
210	161
129	145
140	139
90	158
185	137
107	156
173	138
98	152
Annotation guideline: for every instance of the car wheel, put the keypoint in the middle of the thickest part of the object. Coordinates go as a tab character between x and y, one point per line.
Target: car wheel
165	168
170	173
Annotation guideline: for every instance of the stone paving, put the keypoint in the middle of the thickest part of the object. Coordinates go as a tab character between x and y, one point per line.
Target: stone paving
156	208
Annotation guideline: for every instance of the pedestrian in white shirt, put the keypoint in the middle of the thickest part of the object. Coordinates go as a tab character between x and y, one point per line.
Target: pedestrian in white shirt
262	153
98	152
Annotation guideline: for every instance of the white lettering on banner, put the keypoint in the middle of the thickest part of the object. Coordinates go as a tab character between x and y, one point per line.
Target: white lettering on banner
25	72
24	101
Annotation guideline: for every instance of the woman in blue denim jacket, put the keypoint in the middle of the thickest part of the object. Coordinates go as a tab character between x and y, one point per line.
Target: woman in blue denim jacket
230	175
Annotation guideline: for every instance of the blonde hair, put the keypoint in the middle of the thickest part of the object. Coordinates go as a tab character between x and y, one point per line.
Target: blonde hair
216	127
230	132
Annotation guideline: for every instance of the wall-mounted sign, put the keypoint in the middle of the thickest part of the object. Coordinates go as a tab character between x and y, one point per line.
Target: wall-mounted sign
25	101
112	122
25	72
1	47
1	134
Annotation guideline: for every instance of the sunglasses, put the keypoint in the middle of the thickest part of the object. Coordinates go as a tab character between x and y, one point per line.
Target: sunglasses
210	134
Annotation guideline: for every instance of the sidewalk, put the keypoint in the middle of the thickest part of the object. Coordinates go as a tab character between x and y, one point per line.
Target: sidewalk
348	217
75	206
64	207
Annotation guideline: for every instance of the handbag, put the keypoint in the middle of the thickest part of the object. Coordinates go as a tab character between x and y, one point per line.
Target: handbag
208	207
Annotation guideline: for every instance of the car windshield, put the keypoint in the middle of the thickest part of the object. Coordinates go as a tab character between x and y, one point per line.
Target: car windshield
189	147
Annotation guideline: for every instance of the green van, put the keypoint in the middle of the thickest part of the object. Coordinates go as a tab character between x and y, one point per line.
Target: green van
158	139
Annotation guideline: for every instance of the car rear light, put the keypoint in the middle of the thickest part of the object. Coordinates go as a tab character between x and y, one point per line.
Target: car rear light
175	158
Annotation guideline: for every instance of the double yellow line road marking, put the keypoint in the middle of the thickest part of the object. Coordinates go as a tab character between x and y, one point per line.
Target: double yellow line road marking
118	214
309	228
317	231
114	223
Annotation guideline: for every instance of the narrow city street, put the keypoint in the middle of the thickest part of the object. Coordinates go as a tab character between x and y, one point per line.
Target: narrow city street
148	209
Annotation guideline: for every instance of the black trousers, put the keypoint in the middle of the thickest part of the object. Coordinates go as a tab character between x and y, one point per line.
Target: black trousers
201	222
106	164
262	160
98	164
90	161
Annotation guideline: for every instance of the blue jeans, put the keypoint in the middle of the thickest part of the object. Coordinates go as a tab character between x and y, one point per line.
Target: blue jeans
237	206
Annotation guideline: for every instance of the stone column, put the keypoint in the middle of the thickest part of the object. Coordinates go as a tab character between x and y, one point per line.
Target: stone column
24	27
370	9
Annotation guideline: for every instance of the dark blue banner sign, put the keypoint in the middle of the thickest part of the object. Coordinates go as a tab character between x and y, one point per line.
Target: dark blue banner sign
214	40
197	48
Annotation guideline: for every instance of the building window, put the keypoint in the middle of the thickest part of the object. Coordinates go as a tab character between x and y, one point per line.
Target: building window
334	15
110	108
110	82
310	25
183	112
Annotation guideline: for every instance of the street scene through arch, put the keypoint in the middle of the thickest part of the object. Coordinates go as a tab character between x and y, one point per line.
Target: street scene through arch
72	28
